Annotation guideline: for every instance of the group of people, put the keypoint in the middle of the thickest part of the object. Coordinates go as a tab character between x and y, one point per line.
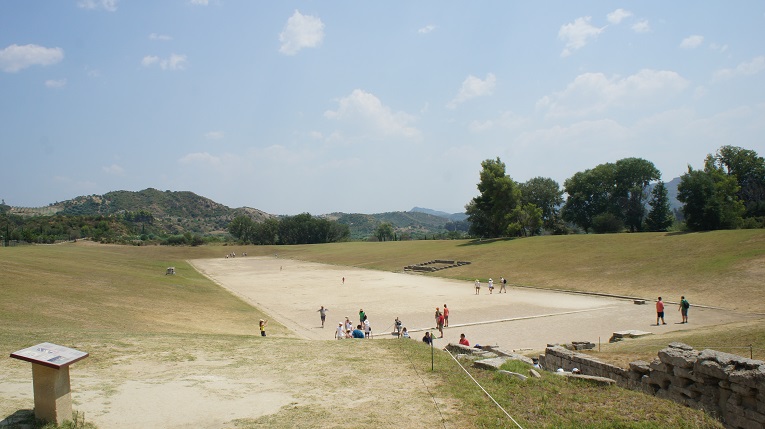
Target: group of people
442	320
346	329
682	308
502	285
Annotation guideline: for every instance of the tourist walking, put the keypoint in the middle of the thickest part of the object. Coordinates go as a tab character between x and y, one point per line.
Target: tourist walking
340	332
491	286
502	284
367	328
262	326
684	306
361	316
323	313
477	287
441	326
446	316
438	315
660	312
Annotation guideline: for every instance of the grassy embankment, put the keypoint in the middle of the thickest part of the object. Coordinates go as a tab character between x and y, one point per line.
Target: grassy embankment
112	300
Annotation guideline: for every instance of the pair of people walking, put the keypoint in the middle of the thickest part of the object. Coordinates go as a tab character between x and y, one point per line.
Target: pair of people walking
682	308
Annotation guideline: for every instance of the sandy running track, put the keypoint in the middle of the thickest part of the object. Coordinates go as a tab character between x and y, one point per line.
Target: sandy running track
292	291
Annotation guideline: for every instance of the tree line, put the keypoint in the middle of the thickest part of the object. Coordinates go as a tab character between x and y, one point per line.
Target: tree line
299	229
626	195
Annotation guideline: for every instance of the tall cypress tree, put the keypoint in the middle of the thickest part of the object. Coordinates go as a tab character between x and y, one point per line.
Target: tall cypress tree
660	217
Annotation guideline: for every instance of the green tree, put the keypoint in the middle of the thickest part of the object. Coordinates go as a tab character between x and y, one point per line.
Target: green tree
241	228
590	193
384	232
618	189
633	175
710	198
526	220
660	217
489	212
545	193
749	170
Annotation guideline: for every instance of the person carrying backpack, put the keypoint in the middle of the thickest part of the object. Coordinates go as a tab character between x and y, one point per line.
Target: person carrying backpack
684	306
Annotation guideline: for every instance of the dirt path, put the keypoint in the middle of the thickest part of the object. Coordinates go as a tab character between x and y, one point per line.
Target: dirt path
178	381
292	292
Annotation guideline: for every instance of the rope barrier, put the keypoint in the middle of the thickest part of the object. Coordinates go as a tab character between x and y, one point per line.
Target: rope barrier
443	420
484	390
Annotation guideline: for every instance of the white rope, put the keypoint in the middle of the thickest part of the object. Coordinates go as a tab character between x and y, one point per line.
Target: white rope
484	390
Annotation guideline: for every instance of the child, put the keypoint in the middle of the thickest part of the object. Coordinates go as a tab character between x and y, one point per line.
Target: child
263	324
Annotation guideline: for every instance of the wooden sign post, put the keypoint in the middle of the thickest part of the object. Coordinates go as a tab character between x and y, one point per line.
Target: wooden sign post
50	378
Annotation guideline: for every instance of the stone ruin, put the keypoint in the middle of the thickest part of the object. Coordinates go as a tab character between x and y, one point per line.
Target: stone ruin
435	265
726	386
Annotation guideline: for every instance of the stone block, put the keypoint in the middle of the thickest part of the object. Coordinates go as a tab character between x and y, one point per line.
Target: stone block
601	381
679	345
743	390
513	374
534	374
710	368
685	373
754	378
658	366
490	364
630	333
677	356
640	367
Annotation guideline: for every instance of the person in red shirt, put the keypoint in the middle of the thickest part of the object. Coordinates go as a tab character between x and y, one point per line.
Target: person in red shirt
660	312
446	316
464	340
441	325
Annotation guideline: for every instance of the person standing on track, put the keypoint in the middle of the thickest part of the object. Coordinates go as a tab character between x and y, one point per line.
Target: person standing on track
477	287
446	316
684	306
660	312
323	313
502	284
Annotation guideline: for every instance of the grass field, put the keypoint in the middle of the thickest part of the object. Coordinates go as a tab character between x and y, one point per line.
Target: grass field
115	300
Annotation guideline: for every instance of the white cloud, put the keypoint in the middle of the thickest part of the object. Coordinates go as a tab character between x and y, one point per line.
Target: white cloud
718	47
149	60
473	87
641	26
301	31
507	120
157	36
577	34
365	111
215	135
173	62
108	5
748	68
692	42
14	57
618	15
200	2
114	169
55	83
201	158
426	29
594	92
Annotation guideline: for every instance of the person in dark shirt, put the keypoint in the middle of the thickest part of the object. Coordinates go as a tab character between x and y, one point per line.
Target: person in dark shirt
427	339
358	333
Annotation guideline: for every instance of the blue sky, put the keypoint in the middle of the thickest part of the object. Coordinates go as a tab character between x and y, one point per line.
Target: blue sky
364	107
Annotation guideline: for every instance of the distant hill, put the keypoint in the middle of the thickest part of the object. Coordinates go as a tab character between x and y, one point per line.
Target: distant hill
174	212
178	212
406	224
451	216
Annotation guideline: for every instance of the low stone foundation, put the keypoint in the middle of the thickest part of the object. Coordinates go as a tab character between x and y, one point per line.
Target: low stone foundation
729	387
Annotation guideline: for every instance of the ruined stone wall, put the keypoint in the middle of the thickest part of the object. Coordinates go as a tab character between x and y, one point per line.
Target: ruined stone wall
727	386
